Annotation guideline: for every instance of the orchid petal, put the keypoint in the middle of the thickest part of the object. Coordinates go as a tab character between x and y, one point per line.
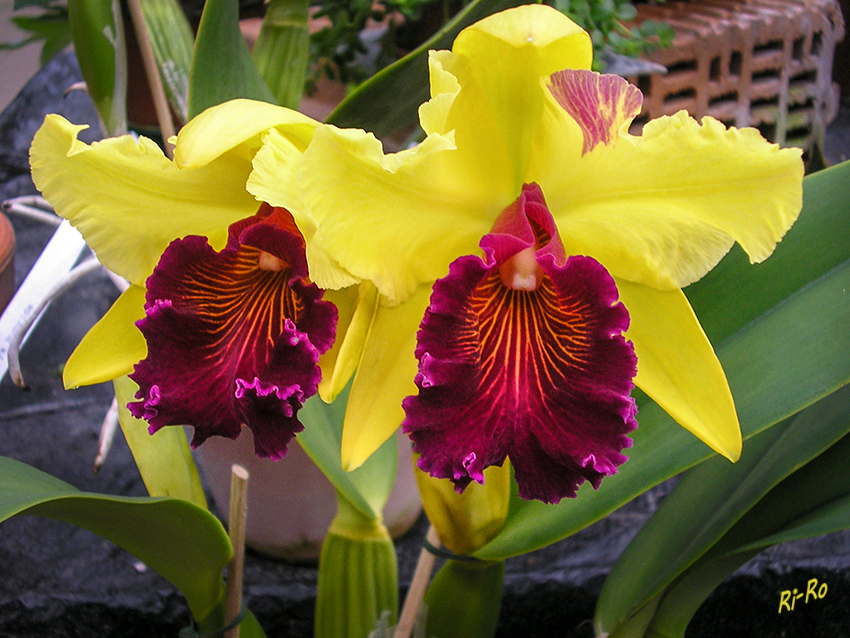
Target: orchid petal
384	378
408	198
405	200
237	125
125	192
677	366
602	105
664	208
466	522
499	63
113	345
233	336
522	355
275	180
357	306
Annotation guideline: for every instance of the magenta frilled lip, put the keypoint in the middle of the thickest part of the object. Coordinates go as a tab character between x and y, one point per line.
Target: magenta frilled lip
234	337
522	355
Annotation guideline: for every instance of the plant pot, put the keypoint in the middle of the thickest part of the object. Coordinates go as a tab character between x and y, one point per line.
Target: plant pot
7	262
290	502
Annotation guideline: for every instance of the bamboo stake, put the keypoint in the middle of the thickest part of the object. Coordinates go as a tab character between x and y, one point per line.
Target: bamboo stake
160	102
421	577
238	518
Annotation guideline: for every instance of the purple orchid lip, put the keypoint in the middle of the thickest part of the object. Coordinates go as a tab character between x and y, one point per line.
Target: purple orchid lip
234	337
521	355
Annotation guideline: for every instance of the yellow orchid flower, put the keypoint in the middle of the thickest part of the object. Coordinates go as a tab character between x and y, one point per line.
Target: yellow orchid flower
529	150
230	329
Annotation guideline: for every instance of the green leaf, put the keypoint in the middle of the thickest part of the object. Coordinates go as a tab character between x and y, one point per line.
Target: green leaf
164	459
22	4
98	34
222	68
464	599
179	540
711	499
51	27
282	50
368	487
172	42
813	501
782	351
390	100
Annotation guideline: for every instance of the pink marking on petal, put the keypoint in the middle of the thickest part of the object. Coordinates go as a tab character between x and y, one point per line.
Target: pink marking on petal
600	104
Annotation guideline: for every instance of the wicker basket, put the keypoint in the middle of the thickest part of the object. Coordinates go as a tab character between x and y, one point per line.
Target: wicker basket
762	63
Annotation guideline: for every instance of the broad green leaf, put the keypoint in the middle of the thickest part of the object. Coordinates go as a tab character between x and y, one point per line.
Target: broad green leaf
179	540
164	459
282	50
711	499
390	100
98	34
222	68
780	362
172	42
813	501
368	487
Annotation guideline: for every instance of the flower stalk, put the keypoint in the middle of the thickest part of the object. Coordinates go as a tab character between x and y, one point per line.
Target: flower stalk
418	586
282	50
464	599
358	575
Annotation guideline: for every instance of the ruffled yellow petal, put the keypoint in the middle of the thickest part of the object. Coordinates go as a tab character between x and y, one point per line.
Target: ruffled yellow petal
123	193
663	209
466	522
384	377
481	91
357	306
498	62
237	126
113	346
276	180
397	220
677	366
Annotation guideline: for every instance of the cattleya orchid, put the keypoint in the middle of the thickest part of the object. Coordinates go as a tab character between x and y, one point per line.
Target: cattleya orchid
526	353
231	327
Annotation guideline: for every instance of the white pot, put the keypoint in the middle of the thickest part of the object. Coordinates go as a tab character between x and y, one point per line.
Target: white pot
290	502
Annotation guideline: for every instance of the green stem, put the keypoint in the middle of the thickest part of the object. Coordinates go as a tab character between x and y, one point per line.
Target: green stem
464	599
282	50
358	575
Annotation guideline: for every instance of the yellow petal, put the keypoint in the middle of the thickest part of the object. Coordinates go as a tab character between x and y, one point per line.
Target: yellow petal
384	377
357	306
122	192
663	209
501	61
677	366
396	220
275	180
466	522
424	207
237	126
113	346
